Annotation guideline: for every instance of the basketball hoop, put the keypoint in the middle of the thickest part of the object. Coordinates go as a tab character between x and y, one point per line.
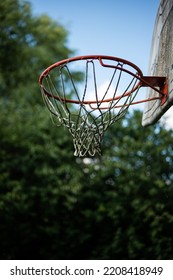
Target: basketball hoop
89	109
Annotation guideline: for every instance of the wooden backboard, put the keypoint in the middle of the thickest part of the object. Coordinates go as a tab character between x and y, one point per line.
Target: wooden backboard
161	61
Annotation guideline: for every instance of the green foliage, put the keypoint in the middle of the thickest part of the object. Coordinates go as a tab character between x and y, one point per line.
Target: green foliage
49	210
28	45
56	206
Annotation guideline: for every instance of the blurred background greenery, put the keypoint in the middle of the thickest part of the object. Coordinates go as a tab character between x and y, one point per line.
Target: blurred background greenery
56	206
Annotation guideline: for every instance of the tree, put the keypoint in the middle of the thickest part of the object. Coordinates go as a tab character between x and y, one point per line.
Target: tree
133	193
122	211
56	206
28	45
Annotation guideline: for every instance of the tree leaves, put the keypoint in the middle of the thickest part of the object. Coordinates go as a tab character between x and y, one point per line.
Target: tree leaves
56	206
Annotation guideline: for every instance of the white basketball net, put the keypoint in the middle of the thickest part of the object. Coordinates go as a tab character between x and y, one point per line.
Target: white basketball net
87	121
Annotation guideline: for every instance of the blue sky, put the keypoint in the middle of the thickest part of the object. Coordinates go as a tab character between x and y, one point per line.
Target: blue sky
121	28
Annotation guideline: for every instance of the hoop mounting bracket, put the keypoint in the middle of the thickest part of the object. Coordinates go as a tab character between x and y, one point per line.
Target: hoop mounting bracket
155	82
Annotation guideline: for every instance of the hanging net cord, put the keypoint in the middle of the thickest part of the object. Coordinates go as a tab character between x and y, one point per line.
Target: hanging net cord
87	120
